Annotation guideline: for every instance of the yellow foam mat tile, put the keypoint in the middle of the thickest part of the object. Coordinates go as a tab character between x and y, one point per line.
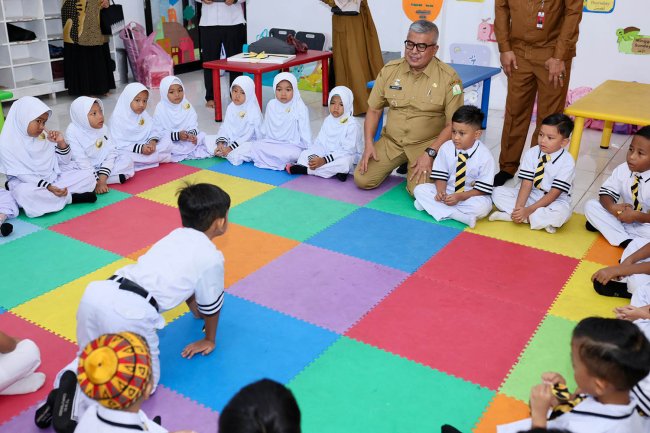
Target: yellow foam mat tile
57	310
239	189
571	240
175	313
578	298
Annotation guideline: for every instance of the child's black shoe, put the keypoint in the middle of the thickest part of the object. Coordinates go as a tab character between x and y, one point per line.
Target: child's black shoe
614	289
6	229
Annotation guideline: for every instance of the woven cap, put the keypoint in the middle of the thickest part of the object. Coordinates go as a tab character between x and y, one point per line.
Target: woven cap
114	369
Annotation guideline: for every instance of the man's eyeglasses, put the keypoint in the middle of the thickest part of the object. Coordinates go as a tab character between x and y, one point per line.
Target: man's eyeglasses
421	47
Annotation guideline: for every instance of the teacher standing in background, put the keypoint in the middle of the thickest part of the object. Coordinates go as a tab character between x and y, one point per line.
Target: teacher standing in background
222	23
356	53
537	41
87	64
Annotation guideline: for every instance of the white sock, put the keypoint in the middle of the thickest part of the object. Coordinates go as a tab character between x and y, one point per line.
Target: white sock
417	205
3	218
500	216
470	220
550	229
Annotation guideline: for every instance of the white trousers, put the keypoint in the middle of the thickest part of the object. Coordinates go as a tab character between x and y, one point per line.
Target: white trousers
123	164
614	231
18	369
477	207
555	214
8	205
37	201
162	154
182	150
342	164
274	155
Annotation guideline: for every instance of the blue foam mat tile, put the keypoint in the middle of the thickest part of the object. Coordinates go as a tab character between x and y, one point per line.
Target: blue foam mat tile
248	171
390	240
21	228
253	342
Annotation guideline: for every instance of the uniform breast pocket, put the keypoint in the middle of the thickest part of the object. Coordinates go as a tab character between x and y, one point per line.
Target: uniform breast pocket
430	103
473	174
396	98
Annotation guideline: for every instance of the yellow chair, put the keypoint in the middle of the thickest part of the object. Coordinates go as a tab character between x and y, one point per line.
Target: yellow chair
4	95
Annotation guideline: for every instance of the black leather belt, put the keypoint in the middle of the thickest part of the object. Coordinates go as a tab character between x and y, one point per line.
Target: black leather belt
130	286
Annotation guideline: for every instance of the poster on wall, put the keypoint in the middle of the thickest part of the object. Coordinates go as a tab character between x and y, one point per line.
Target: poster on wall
599	6
422	10
176	25
630	41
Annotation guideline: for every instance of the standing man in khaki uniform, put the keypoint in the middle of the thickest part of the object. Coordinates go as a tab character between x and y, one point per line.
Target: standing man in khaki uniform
421	93
537	41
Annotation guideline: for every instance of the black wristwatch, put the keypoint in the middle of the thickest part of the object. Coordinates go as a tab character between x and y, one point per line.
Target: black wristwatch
431	152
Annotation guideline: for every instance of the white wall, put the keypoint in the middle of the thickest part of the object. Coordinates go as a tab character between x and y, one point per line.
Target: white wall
598	57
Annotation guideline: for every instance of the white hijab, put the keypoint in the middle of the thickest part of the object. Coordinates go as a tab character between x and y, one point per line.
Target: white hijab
95	143
174	117
21	154
348	5
288	122
242	122
334	130
126	127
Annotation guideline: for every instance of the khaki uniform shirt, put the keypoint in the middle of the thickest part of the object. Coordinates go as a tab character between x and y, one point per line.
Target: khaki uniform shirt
515	27
419	105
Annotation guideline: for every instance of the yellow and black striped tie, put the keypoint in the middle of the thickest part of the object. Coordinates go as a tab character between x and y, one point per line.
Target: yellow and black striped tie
539	172
635	193
461	169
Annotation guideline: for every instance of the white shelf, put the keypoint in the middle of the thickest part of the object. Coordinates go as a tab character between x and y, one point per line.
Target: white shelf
26	67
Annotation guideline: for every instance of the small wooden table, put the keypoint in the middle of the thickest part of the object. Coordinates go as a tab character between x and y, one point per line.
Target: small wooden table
612	101
257	69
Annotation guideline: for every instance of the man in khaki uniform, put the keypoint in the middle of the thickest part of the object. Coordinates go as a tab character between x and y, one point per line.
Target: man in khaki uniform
537	41
421	93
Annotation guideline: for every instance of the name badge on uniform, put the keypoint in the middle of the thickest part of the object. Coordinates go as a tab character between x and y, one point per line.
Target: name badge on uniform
396	85
540	20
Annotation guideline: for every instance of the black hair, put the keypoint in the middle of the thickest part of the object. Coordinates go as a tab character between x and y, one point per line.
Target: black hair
469	115
644	132
201	204
614	350
265	406
562	122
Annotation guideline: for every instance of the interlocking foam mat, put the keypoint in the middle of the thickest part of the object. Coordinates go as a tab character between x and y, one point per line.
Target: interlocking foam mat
376	316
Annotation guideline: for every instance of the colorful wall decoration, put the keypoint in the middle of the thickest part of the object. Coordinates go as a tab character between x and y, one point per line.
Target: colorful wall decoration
422	10
599	6
631	42
486	31
176	26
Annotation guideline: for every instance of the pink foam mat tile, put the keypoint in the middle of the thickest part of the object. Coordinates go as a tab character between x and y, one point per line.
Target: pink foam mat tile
147	179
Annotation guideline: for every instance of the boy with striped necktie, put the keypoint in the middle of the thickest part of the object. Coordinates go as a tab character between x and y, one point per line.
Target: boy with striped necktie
543	198
463	172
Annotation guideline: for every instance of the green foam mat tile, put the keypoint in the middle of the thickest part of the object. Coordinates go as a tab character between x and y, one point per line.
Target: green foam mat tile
203	163
42	261
399	202
548	350
357	388
291	214
74	210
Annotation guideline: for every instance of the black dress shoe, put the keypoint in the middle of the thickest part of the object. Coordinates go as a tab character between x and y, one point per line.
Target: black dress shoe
614	289
403	169
502	177
590	227
449	429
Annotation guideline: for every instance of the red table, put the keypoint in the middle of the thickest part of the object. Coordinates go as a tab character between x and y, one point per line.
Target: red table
257	69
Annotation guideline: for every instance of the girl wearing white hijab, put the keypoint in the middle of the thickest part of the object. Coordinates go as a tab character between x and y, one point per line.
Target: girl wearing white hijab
131	128
176	119
337	147
91	144
285	130
32	158
240	126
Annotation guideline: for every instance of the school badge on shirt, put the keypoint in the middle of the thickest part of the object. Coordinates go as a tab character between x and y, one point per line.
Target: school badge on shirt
456	89
42	136
99	143
187	106
141	122
242	114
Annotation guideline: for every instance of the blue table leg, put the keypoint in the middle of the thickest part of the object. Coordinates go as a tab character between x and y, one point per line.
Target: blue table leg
485	100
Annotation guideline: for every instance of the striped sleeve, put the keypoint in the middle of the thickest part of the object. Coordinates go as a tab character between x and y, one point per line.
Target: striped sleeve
62	151
209	292
612	186
176	135
609	192
439	170
104	171
529	164
137	148
43	183
329	158
193	132
561	185
563	179
485	180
